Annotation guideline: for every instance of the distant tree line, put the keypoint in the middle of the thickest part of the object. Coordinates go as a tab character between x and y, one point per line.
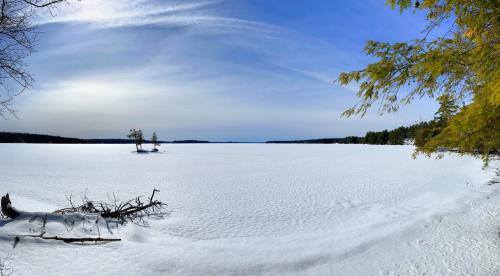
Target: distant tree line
414	134
399	136
420	133
16	137
346	140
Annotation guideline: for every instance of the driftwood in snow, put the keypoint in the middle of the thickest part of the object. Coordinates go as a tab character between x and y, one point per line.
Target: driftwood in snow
133	210
82	241
128	210
72	240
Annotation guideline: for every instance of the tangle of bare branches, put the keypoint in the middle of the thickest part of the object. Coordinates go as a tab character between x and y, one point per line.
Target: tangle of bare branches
17	41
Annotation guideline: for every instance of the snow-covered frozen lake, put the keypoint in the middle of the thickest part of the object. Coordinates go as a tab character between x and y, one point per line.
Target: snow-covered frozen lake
263	209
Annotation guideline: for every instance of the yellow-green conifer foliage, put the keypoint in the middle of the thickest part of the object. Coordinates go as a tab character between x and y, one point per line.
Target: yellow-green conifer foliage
462	62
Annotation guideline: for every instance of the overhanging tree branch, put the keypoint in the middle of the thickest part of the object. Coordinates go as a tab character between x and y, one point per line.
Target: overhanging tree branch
463	62
17	41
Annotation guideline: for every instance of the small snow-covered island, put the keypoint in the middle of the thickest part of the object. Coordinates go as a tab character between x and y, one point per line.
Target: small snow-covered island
295	137
137	138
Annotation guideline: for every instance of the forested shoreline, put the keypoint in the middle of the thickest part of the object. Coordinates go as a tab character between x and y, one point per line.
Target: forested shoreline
399	136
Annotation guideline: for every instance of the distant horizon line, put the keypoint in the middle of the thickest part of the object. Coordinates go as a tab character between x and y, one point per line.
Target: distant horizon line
20	136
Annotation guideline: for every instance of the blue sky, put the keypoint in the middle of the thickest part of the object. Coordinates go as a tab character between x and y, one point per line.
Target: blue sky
240	70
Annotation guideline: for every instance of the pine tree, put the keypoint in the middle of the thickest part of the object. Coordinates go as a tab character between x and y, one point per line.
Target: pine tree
447	109
154	141
138	138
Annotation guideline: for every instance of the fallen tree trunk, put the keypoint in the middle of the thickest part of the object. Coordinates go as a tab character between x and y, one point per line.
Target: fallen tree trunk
73	240
7	208
128	210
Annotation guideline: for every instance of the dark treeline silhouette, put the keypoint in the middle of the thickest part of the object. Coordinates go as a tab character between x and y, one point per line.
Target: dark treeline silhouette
346	140
190	142
14	137
398	136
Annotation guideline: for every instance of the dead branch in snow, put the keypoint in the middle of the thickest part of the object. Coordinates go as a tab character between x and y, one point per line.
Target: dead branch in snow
131	210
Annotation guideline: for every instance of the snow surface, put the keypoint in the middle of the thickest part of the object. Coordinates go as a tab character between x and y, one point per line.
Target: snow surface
260	209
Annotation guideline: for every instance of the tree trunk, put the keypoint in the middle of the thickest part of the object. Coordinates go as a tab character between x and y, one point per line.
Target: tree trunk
82	241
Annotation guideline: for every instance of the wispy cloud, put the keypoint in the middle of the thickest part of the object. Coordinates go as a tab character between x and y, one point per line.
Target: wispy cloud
115	13
167	13
278	45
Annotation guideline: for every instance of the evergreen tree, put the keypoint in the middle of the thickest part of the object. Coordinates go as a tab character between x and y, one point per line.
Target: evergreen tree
447	109
397	136
426	132
377	138
370	137
138	138
463	63
154	141
384	138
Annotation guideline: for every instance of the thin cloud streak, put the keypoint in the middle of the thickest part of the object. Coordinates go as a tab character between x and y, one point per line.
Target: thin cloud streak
117	13
135	13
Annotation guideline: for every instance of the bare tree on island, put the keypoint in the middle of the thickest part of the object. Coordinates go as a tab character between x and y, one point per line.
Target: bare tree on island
17	41
138	138
154	141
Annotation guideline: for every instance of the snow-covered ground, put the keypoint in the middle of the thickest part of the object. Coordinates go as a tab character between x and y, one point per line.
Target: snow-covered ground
262	209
